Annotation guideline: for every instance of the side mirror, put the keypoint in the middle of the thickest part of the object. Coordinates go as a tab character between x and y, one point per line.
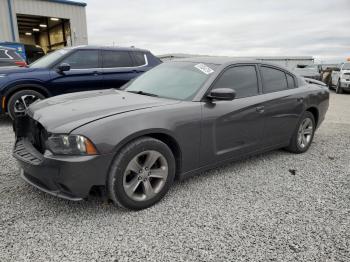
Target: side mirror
63	67
227	94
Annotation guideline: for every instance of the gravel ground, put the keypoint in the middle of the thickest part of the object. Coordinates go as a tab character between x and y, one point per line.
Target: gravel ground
276	206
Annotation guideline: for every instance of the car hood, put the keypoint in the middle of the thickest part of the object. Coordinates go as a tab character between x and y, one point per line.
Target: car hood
13	70
63	114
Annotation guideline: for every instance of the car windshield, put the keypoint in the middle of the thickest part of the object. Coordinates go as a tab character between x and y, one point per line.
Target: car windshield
174	80
346	66
47	60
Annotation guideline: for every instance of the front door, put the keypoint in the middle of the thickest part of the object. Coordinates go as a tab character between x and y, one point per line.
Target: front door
85	73
231	129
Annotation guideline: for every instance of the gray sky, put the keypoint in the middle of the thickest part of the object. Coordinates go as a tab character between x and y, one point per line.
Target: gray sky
224	27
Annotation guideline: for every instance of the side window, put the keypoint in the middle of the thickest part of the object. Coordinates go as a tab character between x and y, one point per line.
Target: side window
290	80
242	79
273	80
4	54
82	59
139	58
113	59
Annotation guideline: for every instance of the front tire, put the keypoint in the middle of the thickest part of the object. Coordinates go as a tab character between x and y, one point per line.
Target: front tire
141	174
303	134
21	100
338	88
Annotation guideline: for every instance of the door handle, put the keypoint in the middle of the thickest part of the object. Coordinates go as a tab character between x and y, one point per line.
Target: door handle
260	109
96	73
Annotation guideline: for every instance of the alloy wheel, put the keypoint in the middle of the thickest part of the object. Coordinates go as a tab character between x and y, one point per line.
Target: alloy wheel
145	175
23	102
305	133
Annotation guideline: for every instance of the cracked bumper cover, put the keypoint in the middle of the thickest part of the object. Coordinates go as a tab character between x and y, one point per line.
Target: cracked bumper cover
68	177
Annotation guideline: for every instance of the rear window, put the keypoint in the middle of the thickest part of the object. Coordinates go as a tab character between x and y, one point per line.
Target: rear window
15	55
3	54
9	54
111	59
139	58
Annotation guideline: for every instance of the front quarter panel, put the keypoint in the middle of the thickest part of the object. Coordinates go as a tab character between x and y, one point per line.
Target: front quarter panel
181	121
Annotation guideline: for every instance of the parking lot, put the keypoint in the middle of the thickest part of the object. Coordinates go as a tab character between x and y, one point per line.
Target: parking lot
275	206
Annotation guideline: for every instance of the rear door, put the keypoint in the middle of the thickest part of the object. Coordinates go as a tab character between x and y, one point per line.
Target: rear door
85	73
118	68
283	105
233	128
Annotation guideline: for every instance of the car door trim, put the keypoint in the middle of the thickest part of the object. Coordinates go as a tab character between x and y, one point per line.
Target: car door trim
127	67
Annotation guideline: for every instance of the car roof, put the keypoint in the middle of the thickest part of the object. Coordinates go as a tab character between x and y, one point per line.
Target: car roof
116	48
8	48
221	60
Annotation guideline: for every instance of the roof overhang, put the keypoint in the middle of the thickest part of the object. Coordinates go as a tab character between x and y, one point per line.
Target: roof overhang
68	2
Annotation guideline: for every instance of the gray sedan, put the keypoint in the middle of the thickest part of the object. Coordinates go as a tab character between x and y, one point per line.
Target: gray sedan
178	119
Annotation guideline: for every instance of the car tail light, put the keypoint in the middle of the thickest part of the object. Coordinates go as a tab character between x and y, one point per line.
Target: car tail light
21	63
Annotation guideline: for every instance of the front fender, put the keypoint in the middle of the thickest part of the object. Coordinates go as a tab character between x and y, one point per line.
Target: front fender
15	85
180	122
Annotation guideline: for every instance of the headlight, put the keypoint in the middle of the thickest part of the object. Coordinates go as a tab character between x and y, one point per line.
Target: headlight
2	75
70	145
345	76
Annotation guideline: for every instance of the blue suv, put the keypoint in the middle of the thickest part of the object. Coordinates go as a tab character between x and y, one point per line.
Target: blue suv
69	70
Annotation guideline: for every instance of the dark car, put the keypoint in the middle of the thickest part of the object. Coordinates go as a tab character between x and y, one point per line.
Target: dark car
33	53
176	120
70	70
29	53
9	58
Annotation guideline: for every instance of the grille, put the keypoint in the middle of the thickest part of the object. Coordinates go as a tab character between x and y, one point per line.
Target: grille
32	131
24	151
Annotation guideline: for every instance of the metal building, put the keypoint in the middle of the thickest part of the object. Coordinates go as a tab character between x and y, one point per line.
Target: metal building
50	24
290	62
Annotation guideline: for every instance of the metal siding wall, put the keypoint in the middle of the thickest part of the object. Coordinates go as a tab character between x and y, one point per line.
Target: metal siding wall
76	15
5	26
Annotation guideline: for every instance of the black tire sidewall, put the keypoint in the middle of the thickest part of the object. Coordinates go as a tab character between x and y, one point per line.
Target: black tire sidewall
307	114
13	98
116	173
338	88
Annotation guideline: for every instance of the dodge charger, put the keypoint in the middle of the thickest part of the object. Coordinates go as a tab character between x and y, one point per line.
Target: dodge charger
179	119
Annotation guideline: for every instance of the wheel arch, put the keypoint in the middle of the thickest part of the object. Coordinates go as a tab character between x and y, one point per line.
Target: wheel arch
19	87
162	135
314	111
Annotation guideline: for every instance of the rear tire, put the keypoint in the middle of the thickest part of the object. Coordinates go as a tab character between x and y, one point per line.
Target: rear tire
141	174
303	134
20	101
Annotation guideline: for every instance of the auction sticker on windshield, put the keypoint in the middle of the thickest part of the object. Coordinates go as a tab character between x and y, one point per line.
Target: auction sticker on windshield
204	68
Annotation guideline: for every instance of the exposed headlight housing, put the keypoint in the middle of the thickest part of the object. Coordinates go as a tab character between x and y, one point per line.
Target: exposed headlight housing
70	145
